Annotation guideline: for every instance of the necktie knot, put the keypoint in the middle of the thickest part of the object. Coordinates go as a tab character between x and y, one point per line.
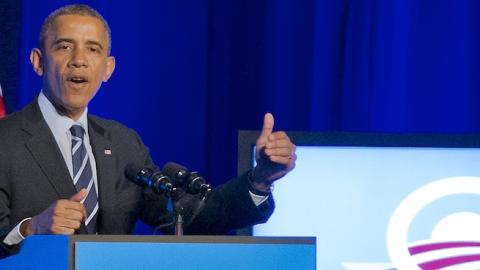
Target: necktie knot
77	131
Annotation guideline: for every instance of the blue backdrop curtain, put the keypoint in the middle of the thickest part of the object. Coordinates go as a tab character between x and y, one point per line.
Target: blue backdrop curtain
191	73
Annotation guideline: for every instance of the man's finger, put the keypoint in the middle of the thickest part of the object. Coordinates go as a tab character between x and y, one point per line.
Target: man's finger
285	152
267	125
281	144
69	209
278	135
67	223
79	196
283	160
63	230
74	214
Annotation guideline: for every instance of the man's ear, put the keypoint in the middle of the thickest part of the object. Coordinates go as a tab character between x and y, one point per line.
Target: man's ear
109	68
36	58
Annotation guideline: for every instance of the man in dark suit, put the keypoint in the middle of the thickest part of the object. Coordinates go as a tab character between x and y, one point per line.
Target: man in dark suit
62	171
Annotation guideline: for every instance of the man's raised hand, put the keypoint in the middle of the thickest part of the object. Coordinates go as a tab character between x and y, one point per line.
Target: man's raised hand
275	154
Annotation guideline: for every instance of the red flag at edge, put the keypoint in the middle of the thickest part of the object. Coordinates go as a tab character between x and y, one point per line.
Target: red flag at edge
3	111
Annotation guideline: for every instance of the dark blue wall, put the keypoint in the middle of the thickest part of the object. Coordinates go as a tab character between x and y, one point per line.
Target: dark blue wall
190	73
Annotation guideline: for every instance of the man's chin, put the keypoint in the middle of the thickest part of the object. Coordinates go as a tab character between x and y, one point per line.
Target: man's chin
71	108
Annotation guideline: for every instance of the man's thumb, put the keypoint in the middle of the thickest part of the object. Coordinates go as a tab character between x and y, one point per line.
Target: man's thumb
79	196
267	125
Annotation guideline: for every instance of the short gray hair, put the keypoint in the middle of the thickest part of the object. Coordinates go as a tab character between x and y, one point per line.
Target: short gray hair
76	9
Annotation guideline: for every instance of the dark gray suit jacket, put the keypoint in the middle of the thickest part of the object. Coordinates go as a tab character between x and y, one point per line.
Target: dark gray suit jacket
33	175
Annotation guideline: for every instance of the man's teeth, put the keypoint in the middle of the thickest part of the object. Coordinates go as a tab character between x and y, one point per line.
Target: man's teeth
77	80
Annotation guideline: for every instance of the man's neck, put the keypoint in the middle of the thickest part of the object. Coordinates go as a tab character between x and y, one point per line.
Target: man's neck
61	110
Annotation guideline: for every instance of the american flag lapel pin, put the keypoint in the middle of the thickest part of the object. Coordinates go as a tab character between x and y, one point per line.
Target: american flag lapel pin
108	151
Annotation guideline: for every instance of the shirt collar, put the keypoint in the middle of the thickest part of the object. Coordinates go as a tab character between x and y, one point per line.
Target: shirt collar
59	124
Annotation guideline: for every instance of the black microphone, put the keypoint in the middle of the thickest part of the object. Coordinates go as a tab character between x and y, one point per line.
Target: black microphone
154	179
193	182
176	172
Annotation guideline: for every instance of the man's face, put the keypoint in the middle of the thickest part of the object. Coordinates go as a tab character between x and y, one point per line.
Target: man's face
74	62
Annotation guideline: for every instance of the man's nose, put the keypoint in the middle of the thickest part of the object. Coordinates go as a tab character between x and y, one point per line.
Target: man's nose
78	59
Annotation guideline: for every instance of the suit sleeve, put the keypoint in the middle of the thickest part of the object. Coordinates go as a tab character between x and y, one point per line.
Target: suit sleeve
5	226
228	207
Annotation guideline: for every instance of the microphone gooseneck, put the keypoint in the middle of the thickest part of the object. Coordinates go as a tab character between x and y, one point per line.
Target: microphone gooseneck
173	181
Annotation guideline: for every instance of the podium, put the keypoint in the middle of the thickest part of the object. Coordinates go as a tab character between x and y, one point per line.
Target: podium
82	252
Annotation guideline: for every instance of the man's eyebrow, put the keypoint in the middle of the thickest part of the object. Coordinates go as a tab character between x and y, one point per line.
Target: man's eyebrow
61	40
93	42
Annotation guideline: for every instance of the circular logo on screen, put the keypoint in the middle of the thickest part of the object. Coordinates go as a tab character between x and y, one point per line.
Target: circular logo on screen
455	239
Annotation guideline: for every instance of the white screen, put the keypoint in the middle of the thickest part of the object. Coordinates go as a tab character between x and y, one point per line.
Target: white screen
345	196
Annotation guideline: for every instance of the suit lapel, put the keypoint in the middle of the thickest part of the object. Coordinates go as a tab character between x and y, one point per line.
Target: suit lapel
46	153
104	159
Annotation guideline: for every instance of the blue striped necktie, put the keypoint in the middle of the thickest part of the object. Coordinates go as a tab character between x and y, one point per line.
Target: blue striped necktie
83	177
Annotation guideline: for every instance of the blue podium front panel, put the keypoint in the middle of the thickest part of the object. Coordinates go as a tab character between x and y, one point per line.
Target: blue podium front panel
40	252
199	256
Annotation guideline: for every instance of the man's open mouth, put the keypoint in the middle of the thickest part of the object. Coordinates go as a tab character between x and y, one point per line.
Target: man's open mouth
77	79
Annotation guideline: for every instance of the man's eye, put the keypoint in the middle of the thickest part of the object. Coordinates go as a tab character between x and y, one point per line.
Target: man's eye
64	47
95	50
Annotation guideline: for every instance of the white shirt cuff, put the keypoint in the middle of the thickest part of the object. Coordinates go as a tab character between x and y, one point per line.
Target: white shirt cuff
257	199
14	237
